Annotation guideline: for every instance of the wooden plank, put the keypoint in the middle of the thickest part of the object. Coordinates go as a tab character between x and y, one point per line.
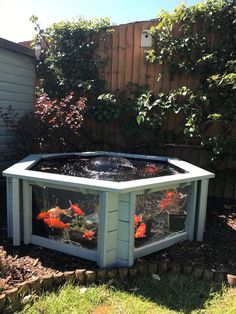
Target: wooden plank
16	59
4	131
64	247
16	88
112	219
150	67
107	239
108	66
143	63
16	96
6	147
192	202
221	178
121	57
124	197
124	213
123	231
137	53
183	80
123	250
9	225
102	230
19	71
195	156
17	105
174	83
202	206
111	240
115	59
27	211
100	53
111	258
129	53
16	211
151	79
112	202
165	87
7	139
230	185
12	78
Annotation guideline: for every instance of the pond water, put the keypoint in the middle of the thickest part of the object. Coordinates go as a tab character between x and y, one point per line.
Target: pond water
109	168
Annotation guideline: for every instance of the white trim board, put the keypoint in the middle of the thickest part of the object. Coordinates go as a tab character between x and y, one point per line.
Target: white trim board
21	170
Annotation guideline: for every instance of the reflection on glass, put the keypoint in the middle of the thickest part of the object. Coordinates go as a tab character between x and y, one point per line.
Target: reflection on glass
65	216
159	215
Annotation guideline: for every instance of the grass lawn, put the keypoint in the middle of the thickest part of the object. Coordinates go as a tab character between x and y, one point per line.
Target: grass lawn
172	294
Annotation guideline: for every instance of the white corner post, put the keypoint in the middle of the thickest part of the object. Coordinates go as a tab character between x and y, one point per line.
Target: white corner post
16	211
202	208
191	216
27	212
107	231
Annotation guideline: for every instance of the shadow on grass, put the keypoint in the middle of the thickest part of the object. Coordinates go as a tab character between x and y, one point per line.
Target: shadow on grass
174	291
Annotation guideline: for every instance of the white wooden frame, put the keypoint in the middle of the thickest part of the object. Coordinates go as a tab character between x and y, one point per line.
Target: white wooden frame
21	170
21	173
188	234
29	237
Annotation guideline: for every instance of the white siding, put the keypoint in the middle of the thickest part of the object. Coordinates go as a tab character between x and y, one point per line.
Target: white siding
17	73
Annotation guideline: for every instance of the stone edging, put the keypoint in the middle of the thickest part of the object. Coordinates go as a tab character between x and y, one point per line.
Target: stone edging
83	277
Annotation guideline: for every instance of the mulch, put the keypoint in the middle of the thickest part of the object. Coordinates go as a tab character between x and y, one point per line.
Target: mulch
217	252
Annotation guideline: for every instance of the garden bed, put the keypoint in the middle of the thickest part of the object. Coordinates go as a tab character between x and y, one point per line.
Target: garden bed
217	253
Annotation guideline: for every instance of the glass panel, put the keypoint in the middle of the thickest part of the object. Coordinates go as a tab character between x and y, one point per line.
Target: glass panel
65	216
159	215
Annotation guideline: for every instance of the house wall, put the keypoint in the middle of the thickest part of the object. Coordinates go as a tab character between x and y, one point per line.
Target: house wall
17	75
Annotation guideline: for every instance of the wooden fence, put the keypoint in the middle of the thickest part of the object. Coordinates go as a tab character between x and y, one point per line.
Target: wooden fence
125	62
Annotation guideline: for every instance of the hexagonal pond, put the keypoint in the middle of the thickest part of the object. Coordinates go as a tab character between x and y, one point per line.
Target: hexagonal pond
107	207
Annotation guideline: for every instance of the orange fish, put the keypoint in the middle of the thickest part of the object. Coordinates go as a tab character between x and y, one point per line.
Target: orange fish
42	216
141	231
76	209
170	198
55	212
151	169
137	219
88	235
55	223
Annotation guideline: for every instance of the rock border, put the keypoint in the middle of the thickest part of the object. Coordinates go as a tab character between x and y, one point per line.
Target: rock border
21	293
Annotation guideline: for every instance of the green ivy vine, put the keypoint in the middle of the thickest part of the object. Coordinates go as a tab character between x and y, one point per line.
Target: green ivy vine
199	40
68	61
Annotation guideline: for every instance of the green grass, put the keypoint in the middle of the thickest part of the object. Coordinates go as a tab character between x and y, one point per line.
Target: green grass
173	294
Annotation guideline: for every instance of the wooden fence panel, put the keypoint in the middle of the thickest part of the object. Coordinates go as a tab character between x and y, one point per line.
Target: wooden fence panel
126	63
129	46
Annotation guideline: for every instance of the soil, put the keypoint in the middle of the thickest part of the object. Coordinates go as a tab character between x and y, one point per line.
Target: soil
217	251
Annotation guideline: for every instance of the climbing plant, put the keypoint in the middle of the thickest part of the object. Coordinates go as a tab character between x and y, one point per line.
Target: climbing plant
199	40
68	61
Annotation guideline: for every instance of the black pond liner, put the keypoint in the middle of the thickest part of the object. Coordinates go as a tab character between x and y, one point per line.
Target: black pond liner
102	167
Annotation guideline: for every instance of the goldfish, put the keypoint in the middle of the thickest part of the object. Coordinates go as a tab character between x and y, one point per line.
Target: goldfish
88	235
151	169
76	209
42	216
56	212
137	219
141	231
170	198
56	223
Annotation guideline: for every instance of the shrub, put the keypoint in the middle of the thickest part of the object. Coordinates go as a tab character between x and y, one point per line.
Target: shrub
69	60
53	126
199	40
